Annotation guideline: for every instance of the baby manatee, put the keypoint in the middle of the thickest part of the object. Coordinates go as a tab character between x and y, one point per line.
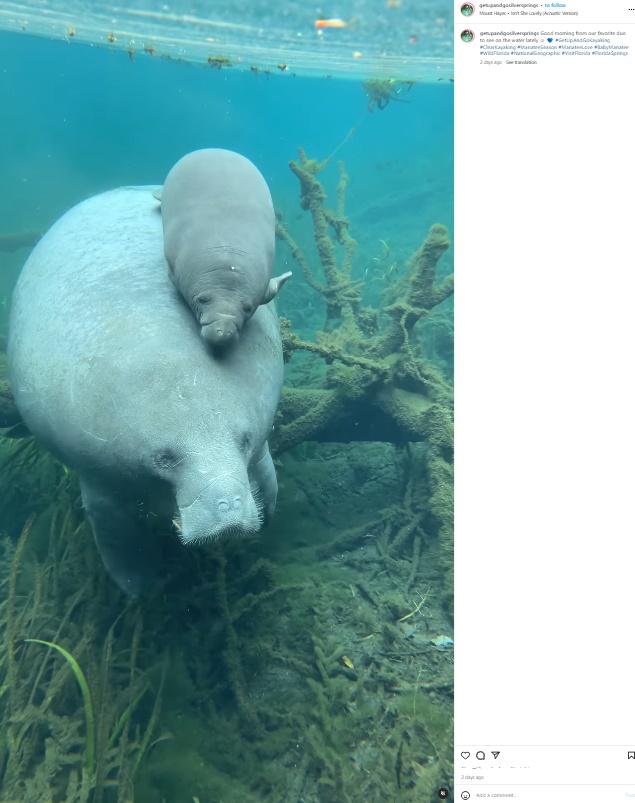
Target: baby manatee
219	233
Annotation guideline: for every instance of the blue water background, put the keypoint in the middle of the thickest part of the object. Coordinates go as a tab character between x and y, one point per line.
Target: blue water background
78	120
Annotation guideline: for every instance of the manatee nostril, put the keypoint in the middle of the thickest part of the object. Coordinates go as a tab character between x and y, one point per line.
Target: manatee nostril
225	505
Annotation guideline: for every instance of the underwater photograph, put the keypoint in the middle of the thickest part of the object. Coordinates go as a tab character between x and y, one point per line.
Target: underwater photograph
226	402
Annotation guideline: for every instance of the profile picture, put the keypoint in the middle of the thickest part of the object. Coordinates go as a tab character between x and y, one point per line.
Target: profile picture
467	9
467	35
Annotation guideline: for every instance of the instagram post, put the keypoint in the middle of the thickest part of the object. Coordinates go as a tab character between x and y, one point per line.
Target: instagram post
227	401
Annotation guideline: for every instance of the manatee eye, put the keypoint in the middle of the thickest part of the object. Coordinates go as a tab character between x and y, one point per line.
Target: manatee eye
204	299
245	442
248	309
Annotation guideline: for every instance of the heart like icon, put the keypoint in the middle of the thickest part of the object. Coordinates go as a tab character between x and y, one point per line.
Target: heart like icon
549	39
464	754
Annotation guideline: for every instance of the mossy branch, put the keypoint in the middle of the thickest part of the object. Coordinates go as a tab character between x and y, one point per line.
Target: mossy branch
422	271
421	294
312	197
298	255
329	351
339	291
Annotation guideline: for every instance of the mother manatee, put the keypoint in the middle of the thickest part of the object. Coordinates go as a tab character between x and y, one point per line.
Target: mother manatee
219	234
108	370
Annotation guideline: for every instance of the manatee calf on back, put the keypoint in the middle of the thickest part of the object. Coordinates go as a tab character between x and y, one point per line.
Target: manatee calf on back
219	236
109	371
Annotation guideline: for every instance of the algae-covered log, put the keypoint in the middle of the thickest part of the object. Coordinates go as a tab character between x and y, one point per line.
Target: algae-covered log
322	415
377	385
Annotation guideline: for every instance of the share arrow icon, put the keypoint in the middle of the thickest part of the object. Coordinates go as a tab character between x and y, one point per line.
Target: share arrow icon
496	753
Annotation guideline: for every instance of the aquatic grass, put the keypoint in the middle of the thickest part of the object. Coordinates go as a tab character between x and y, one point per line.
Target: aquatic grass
156	709
88	702
123	719
44	606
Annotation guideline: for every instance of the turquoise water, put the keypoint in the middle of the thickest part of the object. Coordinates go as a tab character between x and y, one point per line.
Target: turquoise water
368	37
308	663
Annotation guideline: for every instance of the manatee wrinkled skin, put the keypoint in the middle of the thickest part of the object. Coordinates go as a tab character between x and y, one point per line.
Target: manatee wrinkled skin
219	233
109	371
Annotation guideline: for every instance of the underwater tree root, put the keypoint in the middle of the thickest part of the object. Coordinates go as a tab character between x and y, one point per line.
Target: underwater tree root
370	370
375	371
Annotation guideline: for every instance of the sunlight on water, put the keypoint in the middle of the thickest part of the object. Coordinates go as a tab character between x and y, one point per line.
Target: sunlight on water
389	38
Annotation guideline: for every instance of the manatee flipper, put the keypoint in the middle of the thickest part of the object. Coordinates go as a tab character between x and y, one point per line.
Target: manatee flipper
129	551
263	474
273	288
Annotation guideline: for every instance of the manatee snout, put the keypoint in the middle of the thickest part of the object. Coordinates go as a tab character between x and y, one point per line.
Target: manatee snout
221	331
225	506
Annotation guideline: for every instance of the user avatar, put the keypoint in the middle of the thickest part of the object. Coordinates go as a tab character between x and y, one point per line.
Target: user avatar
467	9
467	36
